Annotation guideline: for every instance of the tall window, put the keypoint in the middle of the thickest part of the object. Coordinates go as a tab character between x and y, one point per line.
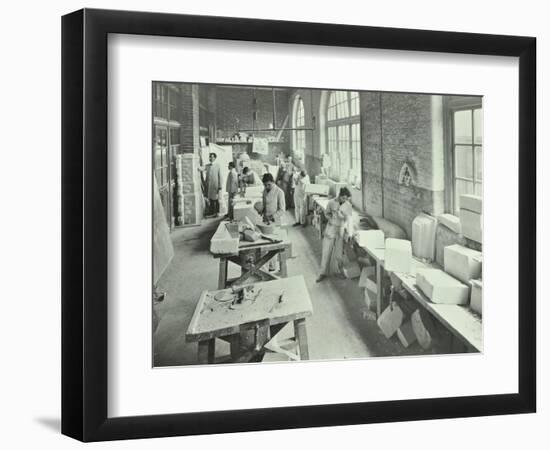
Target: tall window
166	142
299	135
467	153
344	137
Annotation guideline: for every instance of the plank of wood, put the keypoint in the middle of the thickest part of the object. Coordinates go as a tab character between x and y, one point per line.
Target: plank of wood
301	338
459	320
163	250
213	318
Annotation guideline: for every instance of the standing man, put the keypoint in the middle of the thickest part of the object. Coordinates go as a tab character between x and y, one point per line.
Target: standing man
232	187
338	212
301	180
272	208
273	201
213	185
288	181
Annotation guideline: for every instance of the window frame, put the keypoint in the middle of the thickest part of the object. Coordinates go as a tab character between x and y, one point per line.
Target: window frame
299	134
337	122
452	106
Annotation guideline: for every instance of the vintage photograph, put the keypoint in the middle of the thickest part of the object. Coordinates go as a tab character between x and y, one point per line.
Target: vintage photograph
294	224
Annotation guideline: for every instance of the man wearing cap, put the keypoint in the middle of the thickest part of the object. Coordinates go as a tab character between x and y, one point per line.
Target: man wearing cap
231	187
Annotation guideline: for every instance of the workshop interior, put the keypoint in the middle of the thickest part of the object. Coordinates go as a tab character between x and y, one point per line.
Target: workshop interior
293	224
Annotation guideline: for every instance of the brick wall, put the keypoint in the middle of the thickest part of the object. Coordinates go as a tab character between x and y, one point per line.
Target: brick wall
189	196
234	110
189	117
398	129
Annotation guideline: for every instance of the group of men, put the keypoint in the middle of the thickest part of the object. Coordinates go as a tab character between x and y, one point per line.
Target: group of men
293	181
291	184
235	183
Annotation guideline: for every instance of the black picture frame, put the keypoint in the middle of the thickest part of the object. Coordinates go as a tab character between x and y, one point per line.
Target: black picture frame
84	224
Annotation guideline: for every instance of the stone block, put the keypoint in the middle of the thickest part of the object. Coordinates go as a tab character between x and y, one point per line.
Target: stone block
317	189
441	287
476	296
390	320
405	334
370	238
423	236
398	255
472	225
472	203
223	242
451	222
462	262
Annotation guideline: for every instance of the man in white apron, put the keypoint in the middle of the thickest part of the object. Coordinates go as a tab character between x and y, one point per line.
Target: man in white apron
301	180
338	213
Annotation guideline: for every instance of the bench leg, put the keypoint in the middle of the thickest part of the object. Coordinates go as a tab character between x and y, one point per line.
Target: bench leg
282	262
378	289
206	351
222	279
301	338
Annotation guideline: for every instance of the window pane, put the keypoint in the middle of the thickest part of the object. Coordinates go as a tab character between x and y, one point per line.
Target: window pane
354	99
479	163
464	161
462	187
463	127
158	161
478	126
174	136
479	189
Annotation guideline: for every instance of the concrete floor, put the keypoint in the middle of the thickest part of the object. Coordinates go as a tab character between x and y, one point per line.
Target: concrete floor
336	330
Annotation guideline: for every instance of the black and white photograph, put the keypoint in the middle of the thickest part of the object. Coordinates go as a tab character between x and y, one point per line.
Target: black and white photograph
295	224
275	225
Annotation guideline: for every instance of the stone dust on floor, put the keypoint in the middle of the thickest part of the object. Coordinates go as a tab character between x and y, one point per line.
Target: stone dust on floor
336	330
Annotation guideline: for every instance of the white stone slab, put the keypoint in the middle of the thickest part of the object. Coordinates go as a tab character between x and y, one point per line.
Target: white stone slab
223	243
405	334
370	238
471	224
451	222
476	296
440	287
423	236
390	320
471	203
317	189
241	211
398	255
462	262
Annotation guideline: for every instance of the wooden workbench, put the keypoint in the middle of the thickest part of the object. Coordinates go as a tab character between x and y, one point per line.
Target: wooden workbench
263	251
459	320
266	316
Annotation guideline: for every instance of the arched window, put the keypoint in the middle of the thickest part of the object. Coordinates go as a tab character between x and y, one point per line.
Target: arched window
344	137
299	135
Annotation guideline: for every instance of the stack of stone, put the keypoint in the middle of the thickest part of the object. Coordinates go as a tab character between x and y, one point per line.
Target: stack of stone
190	203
